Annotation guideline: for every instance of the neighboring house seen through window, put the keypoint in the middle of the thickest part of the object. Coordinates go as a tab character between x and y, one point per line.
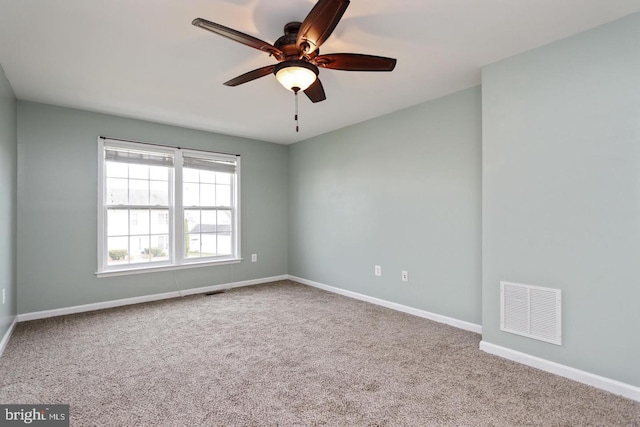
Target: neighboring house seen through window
165	207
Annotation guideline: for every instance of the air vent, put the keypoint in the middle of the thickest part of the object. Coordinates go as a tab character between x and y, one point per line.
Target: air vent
531	311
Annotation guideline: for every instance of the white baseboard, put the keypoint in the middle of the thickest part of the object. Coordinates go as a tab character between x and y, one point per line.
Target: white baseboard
468	326
603	383
146	298
7	336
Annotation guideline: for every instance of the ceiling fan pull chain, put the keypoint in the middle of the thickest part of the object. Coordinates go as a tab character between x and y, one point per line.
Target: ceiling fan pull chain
295	117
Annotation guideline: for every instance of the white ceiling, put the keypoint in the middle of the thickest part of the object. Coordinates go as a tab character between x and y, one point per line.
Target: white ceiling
144	59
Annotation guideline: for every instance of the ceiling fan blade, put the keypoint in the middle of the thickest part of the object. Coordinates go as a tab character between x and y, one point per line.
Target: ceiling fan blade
251	75
315	92
355	62
319	24
239	37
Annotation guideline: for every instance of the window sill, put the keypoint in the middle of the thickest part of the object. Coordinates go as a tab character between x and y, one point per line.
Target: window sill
159	268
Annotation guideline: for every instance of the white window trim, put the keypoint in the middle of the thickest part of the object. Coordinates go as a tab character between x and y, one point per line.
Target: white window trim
176	212
172	267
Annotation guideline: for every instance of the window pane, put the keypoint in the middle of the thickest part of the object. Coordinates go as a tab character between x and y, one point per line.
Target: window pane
192	245
223	178
161	241
208	245
159	250
138	171
207	195
159	193
224	220
208	177
118	222
117	191
117	170
139	221
158	173
139	246
224	244
138	192
190	175
192	221
191	195
208	221
223	195
160	221
117	248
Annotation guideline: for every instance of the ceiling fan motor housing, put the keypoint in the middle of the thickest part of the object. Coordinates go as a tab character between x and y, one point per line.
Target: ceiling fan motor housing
292	28
287	43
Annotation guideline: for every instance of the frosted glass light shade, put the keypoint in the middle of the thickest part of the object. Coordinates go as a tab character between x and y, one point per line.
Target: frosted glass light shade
294	76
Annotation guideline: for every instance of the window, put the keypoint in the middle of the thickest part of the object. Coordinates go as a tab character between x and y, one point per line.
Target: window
165	207
208	210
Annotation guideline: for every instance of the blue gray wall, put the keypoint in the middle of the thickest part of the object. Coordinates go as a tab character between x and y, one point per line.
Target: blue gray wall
402	191
57	208
8	203
561	193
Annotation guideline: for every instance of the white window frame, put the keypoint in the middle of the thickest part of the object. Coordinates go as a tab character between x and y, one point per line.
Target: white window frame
177	259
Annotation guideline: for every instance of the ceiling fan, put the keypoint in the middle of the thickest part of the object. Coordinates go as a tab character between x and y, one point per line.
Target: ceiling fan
297	51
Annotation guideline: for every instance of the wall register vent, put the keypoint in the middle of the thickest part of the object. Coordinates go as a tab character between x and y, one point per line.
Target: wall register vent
531	311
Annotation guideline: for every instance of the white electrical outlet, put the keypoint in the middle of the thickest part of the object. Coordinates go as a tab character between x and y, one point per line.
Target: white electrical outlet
378	270
4	295
254	257
405	276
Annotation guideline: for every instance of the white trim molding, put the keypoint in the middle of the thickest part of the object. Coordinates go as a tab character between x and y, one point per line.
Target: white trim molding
145	298
7	335
603	383
461	324
171	267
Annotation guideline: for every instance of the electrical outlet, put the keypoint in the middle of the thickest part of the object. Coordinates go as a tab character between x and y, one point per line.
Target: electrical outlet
4	295
405	276
254	257
378	270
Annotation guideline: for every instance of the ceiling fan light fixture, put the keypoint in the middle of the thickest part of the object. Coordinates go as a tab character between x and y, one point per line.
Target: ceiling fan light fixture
296	74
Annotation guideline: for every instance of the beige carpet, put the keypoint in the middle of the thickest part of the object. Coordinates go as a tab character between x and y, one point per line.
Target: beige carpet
284	354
